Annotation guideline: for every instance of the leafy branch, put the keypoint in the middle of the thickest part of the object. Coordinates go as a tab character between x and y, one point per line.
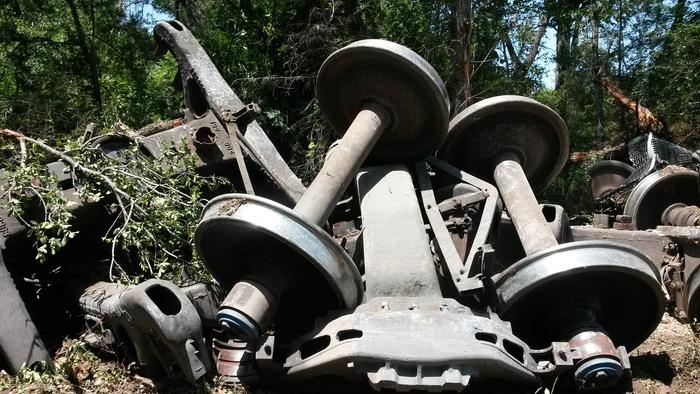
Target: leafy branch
155	203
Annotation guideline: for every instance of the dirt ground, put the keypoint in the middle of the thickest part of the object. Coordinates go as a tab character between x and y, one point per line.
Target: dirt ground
668	362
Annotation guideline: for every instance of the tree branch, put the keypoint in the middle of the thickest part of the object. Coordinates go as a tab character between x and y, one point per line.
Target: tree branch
118	193
535	48
511	51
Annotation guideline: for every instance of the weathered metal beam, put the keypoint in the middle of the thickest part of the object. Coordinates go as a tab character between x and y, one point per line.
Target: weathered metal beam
205	89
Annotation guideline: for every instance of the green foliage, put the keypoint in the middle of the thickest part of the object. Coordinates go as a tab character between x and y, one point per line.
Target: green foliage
45	84
155	205
270	51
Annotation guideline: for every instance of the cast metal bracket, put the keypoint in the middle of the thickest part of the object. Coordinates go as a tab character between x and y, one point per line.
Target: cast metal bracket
466	275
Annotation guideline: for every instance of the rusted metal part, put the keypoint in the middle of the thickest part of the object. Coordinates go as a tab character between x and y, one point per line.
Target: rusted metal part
372	104
522	205
592	344
599	360
396	252
656	192
206	137
158	127
623	219
623	222
680	214
584	352
235	362
205	90
459	209
234	123
607	175
446	348
453	266
157	319
465	274
20	343
622	226
342	164
602	220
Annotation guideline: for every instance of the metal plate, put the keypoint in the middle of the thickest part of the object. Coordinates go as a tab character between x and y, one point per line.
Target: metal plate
625	282
237	229
513	124
396	251
651	196
406	343
395	77
607	175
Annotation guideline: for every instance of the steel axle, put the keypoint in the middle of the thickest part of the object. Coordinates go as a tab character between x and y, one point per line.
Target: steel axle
518	142
384	100
601	368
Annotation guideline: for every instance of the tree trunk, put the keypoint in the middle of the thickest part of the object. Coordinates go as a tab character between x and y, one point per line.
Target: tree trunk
461	40
89	54
567	28
620	49
521	68
563	53
678	14
596	70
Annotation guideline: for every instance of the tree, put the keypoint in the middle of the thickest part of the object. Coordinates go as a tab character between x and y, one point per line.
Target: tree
461	47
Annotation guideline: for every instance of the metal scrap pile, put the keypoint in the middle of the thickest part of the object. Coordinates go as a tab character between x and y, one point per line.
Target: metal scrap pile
417	259
654	201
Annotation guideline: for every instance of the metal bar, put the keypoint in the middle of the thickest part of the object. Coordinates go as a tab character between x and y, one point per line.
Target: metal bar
342	164
199	73
462	200
396	251
444	245
468	283
522	206
240	160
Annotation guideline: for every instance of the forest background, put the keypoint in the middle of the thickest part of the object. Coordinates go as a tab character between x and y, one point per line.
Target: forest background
65	63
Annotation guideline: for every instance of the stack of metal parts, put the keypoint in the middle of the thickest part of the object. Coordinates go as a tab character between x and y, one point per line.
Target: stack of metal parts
661	187
384	272
155	324
648	153
417	259
656	200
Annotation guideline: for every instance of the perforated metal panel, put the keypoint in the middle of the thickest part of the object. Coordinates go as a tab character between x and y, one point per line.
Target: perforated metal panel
648	153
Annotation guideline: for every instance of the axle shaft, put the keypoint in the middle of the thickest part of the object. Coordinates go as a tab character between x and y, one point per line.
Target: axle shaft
529	222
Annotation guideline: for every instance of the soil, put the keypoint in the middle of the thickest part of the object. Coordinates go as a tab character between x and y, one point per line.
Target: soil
668	362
